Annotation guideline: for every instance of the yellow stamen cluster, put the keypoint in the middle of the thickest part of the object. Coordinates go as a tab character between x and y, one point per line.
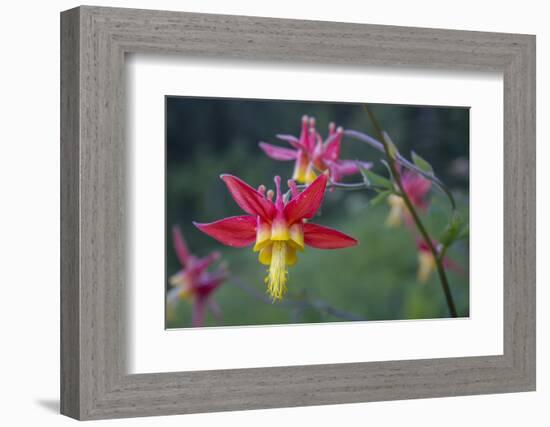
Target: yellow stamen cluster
276	245
277	271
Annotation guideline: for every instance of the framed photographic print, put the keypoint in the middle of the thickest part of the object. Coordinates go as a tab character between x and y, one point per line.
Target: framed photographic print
262	213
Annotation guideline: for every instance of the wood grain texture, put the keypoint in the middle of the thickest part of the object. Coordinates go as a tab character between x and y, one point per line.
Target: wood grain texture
70	292
94	381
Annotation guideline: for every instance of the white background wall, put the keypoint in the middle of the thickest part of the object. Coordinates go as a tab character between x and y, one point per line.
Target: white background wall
29	212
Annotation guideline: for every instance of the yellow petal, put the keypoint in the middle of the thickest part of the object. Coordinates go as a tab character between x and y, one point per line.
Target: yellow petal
265	255
291	257
296	233
178	280
300	168
279	229
397	206
426	266
185	293
310	174
263	234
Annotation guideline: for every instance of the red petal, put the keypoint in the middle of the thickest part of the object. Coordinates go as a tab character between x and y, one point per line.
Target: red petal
278	153
202	264
210	282
307	202
332	146
236	231
182	251
250	200
416	187
321	237
292	140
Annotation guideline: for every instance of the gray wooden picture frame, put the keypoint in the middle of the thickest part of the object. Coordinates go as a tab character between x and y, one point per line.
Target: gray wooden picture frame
94	41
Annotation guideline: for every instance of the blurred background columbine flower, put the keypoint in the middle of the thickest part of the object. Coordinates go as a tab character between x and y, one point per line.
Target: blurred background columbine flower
312	155
426	262
417	188
278	229
194	282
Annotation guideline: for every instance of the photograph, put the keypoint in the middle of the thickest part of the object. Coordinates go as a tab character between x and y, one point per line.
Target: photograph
287	212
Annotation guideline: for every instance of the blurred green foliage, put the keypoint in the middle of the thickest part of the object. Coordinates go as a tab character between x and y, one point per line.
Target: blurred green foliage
375	280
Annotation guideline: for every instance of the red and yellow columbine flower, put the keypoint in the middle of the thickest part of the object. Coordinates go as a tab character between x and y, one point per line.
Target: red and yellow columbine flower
277	229
311	154
417	187
426	261
194	282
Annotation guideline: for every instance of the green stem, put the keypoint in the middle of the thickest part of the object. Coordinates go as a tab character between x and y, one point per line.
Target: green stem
415	216
351	186
402	161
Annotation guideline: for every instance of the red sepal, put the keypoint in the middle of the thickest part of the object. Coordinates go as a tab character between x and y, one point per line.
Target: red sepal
235	231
